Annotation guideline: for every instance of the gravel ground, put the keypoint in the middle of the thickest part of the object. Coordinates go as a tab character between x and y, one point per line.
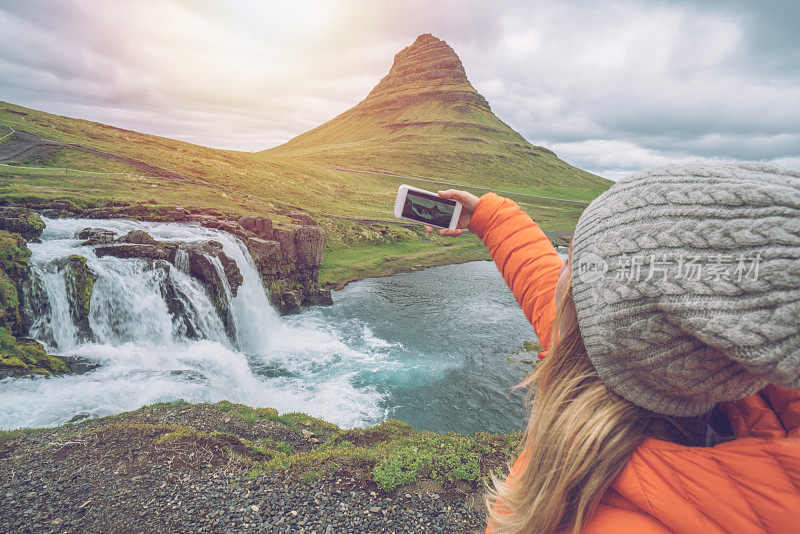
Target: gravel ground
36	503
99	477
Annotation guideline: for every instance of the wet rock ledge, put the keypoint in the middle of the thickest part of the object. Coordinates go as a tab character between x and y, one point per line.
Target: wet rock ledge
20	356
287	257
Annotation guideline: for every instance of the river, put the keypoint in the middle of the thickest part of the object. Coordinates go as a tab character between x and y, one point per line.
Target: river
429	348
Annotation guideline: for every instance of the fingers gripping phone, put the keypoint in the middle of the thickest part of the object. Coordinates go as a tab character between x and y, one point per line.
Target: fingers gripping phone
425	207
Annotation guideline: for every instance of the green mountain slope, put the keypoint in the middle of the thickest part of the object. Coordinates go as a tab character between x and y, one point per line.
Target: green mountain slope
425	119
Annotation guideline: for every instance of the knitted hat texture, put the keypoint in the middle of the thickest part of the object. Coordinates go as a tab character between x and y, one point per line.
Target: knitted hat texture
686	282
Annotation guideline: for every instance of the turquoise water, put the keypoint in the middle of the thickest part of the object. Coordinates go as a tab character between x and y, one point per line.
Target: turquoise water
444	336
430	347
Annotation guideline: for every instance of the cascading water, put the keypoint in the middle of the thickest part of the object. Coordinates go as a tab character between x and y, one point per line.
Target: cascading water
157	336
429	347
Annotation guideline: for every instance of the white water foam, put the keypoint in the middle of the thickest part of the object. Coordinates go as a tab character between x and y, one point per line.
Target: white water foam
148	354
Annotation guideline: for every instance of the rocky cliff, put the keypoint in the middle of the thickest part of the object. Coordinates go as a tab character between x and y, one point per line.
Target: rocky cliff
287	257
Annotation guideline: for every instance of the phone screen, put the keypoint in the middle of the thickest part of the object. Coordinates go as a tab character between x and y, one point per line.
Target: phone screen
428	209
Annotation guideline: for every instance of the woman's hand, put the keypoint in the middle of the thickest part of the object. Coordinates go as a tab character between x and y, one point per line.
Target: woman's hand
468	202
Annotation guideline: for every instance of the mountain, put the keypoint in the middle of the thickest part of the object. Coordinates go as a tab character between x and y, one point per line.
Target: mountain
425	119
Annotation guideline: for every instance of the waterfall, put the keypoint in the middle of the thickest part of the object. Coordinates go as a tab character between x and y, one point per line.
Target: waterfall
140	300
157	336
182	260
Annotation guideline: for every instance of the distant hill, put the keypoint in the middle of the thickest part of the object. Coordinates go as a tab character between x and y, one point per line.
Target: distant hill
424	118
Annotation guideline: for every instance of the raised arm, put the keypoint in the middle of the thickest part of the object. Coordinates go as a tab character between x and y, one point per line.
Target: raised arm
526	258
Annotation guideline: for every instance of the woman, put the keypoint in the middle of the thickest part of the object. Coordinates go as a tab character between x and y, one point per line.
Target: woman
666	400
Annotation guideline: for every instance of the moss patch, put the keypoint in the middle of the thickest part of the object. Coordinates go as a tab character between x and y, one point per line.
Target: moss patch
26	356
19	356
80	283
14	255
252	442
393	454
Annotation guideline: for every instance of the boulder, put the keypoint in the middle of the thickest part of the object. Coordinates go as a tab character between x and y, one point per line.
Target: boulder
201	265
138	237
78	365
95	236
264	252
79	283
309	242
247	222
318	297
175	300
290	302
21	221
233	228
100	213
173	214
159	251
210	222
201	257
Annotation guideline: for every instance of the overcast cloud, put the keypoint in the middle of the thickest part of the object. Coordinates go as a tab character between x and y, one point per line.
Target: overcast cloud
611	89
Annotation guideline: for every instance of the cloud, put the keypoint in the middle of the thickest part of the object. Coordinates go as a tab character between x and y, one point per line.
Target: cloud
611	87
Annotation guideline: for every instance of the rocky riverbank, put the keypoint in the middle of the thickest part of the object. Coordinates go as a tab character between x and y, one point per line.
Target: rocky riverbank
288	257
229	468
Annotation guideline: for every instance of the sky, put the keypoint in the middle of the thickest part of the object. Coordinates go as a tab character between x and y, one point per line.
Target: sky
612	87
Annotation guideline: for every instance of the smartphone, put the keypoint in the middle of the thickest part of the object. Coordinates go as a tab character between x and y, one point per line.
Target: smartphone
425	207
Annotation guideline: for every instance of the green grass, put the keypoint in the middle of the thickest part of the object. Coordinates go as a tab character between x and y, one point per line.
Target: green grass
5	138
17	432
267	181
73	158
482	151
347	264
392	454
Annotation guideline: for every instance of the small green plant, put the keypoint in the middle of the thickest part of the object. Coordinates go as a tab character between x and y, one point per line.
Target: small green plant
400	468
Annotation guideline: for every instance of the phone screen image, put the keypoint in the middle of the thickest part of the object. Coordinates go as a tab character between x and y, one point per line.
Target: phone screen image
428	209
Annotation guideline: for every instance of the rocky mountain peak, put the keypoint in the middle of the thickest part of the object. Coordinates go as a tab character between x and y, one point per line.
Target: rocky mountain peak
429	64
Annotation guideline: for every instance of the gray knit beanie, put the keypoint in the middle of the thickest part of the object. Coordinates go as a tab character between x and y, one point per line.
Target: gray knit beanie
686	282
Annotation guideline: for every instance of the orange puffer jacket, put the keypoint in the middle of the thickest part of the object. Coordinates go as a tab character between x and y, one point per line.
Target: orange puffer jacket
750	484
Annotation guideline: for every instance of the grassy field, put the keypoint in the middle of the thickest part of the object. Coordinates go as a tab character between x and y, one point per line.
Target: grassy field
163	171
344	265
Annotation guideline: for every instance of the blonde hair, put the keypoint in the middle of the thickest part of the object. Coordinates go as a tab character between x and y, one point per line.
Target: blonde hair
579	436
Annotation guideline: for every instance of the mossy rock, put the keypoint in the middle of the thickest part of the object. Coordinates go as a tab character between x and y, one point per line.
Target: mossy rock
26	223
34	223
14	255
12	361
9	304
80	283
20	357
